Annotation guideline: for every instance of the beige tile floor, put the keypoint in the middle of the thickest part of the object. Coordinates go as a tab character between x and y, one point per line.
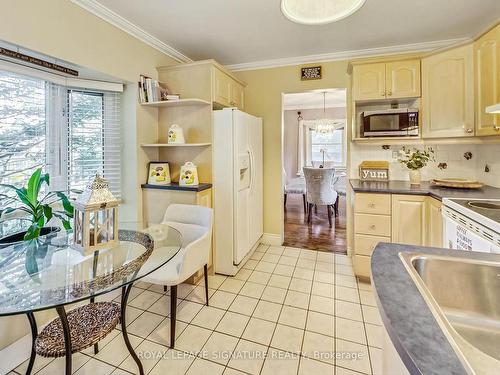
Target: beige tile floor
288	311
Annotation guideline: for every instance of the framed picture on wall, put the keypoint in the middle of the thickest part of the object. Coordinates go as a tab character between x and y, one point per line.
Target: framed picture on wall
158	173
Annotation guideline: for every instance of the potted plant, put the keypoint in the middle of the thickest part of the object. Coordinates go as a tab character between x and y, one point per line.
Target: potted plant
39	211
415	159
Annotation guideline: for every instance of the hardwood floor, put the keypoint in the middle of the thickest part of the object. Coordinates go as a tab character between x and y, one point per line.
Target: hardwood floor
318	235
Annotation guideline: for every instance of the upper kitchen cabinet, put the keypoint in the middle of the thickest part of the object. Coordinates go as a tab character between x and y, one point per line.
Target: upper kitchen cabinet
487	81
369	81
391	80
237	95
448	94
221	88
227	91
207	80
402	79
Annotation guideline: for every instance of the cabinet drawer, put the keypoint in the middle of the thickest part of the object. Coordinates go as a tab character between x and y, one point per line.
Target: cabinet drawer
362	266
373	203
365	244
377	225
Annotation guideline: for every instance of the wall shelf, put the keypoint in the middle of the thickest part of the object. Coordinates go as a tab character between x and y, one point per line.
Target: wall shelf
176	144
178	103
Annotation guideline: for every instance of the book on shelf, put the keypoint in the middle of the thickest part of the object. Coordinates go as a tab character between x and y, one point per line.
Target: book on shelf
151	90
172	97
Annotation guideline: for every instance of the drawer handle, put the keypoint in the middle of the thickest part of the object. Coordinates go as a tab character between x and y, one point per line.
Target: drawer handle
371	205
373	226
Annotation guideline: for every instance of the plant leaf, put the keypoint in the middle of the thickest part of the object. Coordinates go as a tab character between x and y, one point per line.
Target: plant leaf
62	215
45	178
66	224
40	222
47	211
66	203
34	186
33	232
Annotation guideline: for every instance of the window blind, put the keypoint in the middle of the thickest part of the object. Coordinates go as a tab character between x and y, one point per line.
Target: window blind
93	138
23	102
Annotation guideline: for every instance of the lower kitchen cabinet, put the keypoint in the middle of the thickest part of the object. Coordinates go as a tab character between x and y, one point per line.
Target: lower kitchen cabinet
204	198
434	223
397	218
409	219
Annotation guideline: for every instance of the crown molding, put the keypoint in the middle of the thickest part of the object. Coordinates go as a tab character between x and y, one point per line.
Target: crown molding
307	107
111	17
347	55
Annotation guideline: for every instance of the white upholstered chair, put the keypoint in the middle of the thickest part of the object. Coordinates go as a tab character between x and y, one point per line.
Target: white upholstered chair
295	186
195	225
320	191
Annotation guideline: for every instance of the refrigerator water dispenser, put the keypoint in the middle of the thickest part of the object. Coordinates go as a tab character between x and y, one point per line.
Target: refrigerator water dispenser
244	168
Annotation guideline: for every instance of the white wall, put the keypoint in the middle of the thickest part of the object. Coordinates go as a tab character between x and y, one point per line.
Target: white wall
291	131
488	155
453	155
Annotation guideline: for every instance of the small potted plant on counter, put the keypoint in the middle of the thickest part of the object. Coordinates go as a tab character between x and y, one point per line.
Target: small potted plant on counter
415	159
39	211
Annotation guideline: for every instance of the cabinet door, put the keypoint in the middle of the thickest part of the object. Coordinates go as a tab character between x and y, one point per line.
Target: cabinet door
237	95
434	223
448	94
402	79
222	88
369	81
409	222
487	79
204	198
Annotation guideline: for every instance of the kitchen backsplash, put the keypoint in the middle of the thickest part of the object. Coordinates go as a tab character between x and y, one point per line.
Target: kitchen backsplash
453	156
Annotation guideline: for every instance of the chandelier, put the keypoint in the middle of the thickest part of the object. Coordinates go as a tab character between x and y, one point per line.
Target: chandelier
325	125
319	12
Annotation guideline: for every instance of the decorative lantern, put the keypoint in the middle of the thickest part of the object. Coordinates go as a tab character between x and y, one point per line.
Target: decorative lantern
95	217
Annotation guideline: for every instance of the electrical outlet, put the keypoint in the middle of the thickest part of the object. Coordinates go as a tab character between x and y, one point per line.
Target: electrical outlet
395	154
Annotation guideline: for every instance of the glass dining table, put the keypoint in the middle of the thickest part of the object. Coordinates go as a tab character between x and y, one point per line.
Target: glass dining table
49	273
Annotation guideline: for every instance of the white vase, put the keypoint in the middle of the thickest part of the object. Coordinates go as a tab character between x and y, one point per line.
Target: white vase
415	177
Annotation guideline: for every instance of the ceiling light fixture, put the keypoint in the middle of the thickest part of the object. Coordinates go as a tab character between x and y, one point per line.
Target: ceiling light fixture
319	12
325	125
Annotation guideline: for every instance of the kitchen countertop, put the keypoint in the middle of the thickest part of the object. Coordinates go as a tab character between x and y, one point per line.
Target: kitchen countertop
415	333
425	188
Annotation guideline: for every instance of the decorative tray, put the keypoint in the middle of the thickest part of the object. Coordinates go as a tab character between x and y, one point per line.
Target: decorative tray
459	183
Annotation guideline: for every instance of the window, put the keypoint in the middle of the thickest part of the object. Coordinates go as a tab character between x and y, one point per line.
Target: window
93	139
22	128
332	144
71	133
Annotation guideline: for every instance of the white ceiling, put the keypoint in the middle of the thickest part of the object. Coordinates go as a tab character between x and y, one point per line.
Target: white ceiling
243	31
335	98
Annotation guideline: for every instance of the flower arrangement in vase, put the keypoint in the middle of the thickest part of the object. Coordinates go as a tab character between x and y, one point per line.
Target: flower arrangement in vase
415	159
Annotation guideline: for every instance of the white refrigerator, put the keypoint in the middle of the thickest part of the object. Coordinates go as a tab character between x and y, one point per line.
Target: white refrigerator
238	188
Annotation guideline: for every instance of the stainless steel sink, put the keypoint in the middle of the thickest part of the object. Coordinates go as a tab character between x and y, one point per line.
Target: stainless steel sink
464	296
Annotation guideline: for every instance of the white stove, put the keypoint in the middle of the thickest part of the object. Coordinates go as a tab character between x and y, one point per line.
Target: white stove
472	224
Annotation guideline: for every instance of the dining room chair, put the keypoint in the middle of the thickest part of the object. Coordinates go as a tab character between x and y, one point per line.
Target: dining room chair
320	191
326	164
295	186
195	226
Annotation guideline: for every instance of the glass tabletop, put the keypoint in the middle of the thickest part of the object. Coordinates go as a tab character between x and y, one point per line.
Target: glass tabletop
48	272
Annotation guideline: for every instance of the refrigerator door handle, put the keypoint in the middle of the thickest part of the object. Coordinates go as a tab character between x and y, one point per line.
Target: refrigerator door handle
250	158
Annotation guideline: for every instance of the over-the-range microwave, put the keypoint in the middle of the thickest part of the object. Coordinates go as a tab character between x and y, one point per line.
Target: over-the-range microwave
399	122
